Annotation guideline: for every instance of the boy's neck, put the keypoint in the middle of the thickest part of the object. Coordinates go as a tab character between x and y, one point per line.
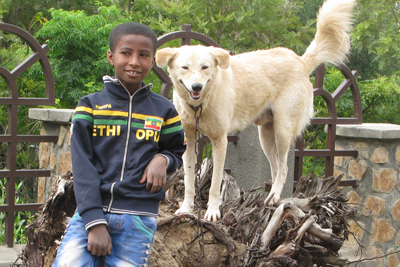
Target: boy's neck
133	89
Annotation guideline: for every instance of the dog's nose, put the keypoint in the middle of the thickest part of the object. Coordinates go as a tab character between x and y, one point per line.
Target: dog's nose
197	87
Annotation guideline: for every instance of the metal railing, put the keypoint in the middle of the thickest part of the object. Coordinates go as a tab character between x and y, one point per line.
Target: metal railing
331	121
12	138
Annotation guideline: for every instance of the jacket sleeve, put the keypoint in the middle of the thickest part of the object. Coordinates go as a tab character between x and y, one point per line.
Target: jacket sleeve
86	179
172	140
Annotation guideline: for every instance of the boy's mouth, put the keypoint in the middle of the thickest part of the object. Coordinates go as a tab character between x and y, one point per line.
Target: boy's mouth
133	72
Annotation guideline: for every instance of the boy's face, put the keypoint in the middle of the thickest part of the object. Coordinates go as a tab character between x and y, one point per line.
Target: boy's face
132	59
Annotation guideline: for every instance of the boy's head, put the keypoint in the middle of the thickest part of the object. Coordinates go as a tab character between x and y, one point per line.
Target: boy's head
132	49
131	28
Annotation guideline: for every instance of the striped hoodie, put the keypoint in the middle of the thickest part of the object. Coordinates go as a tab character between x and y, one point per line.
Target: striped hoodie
113	138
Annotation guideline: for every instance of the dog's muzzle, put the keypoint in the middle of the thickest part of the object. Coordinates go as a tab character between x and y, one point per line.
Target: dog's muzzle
196	87
195	90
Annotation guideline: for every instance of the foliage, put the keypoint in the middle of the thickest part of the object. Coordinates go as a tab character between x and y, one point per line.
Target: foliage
78	45
21	219
381	98
25	13
236	25
376	37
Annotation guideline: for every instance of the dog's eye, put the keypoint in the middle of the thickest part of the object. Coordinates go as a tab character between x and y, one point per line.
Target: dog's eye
185	67
204	67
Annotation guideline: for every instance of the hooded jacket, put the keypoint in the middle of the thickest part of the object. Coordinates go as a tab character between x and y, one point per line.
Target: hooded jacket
114	136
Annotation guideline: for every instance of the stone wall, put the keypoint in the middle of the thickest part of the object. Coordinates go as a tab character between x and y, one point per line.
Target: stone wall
377	194
53	156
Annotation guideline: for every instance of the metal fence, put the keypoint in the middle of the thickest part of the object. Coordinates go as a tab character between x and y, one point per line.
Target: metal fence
12	138
186	35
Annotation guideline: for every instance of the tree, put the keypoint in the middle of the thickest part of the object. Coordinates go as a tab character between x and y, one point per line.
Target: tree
377	33
78	47
23	13
239	26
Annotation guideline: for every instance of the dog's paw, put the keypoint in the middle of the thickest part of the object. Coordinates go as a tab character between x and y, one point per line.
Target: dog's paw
184	209
212	214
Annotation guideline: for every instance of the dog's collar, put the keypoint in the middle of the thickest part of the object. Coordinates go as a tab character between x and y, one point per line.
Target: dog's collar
195	108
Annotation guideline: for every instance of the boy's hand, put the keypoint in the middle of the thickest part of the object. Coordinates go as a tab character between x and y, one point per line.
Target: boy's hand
99	240
155	174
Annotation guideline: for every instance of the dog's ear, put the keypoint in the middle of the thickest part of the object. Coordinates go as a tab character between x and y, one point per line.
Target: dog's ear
164	56
222	57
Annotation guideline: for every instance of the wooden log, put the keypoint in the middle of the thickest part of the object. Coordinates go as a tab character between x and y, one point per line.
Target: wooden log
304	230
44	234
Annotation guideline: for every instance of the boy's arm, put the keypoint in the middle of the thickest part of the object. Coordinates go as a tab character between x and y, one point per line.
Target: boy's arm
169	157
172	142
86	180
155	174
99	240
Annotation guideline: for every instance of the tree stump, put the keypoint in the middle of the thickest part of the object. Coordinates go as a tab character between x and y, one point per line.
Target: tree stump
45	233
305	230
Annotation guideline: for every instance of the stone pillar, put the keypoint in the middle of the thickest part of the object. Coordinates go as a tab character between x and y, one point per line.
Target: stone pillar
250	166
53	156
376	196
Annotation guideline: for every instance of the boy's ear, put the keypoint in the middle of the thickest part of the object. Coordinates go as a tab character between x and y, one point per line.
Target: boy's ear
110	57
164	56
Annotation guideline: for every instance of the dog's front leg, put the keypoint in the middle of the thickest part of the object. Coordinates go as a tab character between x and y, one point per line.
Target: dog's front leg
219	152
189	161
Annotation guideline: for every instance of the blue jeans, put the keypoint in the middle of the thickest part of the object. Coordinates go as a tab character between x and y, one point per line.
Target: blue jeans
132	237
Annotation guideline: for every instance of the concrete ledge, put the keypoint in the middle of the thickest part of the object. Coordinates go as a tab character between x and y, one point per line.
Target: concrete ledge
370	130
53	115
9	255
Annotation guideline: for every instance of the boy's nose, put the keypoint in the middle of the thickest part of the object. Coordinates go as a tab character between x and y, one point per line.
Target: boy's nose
134	60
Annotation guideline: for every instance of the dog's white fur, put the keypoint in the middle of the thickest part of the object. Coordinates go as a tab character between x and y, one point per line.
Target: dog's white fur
270	88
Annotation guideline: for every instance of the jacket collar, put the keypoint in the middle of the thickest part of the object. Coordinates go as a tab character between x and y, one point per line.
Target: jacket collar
115	88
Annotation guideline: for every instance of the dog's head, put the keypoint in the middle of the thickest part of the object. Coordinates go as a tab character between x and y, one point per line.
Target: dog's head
193	68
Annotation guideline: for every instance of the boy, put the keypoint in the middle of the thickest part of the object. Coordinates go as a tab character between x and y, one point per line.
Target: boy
123	141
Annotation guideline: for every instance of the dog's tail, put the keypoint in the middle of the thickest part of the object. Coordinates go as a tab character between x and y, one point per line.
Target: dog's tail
332	41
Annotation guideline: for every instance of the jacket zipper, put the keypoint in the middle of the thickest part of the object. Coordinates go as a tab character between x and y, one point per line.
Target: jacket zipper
126	143
112	197
127	138
129	127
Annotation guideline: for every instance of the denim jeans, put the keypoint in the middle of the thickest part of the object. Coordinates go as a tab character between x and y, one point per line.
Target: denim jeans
132	237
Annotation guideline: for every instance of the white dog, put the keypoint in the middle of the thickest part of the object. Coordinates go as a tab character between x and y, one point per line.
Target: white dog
270	88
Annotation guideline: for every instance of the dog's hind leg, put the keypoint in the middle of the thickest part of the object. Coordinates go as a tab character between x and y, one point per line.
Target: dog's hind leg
219	146
189	161
267	140
276	140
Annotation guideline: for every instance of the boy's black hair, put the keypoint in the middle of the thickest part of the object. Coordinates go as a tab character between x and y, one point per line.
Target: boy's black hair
131	28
